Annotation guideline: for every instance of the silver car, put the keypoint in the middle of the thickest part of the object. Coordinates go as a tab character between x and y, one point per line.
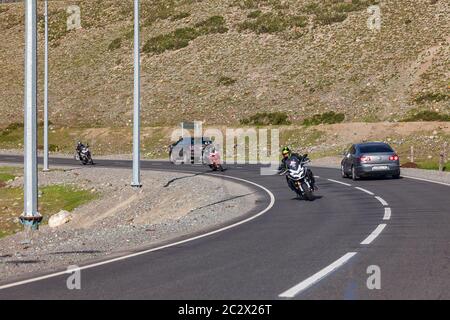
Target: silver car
370	159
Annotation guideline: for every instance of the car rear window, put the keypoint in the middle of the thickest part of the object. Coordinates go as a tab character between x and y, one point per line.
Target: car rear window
375	149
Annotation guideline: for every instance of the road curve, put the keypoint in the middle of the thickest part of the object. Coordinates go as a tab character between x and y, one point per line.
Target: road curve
325	249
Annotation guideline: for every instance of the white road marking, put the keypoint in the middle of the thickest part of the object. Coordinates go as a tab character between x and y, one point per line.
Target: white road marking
305	284
387	214
345	184
421	179
383	202
374	234
272	202
366	191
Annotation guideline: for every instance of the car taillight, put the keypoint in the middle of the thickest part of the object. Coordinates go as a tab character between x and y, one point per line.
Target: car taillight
394	157
365	159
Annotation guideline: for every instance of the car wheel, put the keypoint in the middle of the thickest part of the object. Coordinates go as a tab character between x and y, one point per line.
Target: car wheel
396	176
344	175
354	175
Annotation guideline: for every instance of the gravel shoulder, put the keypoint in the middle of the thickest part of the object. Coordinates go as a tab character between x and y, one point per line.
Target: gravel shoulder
170	205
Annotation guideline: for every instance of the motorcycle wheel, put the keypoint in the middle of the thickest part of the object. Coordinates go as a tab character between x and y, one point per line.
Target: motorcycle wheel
308	192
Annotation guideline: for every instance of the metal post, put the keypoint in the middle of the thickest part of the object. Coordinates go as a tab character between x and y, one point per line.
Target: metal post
30	217
46	88
137	100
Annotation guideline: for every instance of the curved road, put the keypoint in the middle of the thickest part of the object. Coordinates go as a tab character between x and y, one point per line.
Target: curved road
397	230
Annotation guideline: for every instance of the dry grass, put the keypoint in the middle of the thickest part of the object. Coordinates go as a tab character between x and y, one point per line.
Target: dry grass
299	57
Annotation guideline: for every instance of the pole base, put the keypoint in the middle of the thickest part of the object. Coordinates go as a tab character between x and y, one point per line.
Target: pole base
45	170
31	222
136	185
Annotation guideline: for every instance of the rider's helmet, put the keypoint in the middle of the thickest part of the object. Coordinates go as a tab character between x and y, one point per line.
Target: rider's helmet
286	152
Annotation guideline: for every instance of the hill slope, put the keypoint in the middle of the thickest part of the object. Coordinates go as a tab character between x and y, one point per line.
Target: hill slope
223	60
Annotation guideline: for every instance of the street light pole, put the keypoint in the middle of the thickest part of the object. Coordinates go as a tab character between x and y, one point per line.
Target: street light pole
46	88
137	101
30	218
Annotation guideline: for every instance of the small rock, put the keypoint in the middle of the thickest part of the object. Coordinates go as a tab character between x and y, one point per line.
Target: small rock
59	219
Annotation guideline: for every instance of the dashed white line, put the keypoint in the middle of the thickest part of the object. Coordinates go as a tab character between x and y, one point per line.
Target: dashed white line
366	191
343	183
317	277
374	234
383	202
387	214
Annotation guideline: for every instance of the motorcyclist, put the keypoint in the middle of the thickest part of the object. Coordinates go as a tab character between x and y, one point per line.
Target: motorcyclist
284	165
80	147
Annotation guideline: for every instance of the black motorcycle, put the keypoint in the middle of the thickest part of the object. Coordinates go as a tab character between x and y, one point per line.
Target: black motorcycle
83	154
300	176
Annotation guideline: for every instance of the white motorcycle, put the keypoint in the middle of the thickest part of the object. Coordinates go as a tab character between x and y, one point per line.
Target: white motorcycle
300	176
84	155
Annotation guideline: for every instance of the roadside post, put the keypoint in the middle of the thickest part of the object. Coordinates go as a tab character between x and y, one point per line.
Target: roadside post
136	183
30	218
46	168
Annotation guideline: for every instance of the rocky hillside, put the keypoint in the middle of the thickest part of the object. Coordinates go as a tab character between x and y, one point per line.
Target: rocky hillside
224	60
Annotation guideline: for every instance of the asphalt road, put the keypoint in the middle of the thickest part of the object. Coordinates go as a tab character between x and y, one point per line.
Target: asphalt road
296	250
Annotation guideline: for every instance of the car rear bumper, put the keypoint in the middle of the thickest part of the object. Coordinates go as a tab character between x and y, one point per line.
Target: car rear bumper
377	170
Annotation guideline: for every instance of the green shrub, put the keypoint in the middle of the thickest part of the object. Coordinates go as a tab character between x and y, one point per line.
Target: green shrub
431	97
325	118
53	148
427	116
265	118
173	41
265	23
226	81
115	44
10	128
180	16
215	24
327	18
254	14
181	37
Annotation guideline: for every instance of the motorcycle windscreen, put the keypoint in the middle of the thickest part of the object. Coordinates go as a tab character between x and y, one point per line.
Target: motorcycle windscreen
293	164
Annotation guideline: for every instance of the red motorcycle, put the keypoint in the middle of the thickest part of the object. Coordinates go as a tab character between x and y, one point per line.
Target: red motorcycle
214	160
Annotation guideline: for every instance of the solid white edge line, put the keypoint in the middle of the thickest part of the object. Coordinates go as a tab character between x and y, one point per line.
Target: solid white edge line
383	202
345	184
426	180
374	234
52	275
387	214
305	284
366	191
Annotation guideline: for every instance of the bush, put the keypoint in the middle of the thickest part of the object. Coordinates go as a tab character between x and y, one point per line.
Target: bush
327	18
180	16
431	97
254	14
226	81
427	116
265	23
173	41
53	148
11	127
324	118
115	44
215	24
265	118
180	37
